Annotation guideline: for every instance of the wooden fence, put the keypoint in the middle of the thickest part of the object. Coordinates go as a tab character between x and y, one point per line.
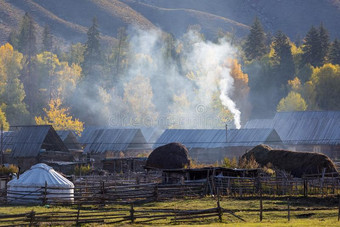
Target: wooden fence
141	215
309	185
101	194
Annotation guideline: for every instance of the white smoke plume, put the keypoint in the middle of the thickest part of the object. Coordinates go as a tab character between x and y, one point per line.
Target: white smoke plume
208	63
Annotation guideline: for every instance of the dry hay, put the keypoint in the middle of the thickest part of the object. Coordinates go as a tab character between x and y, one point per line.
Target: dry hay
295	163
169	156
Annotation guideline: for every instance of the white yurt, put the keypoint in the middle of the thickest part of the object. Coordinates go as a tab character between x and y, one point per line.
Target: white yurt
31	186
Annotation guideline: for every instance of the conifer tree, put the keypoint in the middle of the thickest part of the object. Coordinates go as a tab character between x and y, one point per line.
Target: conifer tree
255	46
92	53
47	39
312	48
334	54
27	36
283	58
324	44
27	46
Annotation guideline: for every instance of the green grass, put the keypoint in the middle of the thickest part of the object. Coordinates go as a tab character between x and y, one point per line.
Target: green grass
306	214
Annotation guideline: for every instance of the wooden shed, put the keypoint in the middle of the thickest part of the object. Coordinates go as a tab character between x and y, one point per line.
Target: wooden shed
32	144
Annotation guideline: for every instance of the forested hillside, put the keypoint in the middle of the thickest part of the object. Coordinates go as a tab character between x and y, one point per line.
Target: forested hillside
126	63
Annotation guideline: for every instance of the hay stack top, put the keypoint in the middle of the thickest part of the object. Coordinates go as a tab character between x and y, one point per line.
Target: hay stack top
37	175
169	156
295	163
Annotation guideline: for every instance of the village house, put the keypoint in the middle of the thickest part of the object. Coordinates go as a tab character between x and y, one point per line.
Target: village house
309	131
25	146
212	145
105	143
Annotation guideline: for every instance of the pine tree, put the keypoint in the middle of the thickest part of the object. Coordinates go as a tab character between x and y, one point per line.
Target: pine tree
92	53
255	46
283	58
324	44
334	54
312	48
47	39
27	46
27	38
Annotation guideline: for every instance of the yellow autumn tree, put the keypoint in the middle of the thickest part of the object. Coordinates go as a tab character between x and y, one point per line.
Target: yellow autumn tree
138	95
293	102
3	121
241	89
59	118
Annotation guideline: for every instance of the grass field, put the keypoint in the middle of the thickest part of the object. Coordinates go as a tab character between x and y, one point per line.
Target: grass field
313	211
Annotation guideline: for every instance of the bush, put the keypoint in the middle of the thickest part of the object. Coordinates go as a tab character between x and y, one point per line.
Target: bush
227	163
7	170
82	170
250	163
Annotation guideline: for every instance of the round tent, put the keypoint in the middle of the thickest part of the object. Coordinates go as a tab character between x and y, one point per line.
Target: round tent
31	186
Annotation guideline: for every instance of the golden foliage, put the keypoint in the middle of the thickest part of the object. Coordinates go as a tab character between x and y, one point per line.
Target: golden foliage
293	102
138	94
7	170
59	118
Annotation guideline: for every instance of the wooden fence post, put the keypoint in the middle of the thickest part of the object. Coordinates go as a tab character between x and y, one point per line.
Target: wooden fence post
288	204
305	188
261	205
219	209
103	193
155	192
45	194
339	209
132	216
32	218
78	213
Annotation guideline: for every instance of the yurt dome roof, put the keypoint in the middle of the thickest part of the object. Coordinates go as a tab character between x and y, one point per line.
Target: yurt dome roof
40	174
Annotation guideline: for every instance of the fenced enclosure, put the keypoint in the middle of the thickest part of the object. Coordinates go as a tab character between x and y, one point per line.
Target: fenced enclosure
139	214
110	190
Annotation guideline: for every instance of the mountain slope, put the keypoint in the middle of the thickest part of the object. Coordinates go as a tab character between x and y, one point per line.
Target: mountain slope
177	20
293	17
70	19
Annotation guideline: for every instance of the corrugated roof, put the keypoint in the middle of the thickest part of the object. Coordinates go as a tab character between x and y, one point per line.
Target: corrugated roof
70	139
8	137
27	141
304	127
117	139
216	138
151	134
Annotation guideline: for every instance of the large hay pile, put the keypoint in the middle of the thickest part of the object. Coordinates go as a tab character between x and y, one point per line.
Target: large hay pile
169	156
295	163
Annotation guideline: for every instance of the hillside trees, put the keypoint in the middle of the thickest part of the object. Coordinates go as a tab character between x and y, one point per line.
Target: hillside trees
59	117
138	94
255	46
283	58
92	53
334	55
12	91
47	40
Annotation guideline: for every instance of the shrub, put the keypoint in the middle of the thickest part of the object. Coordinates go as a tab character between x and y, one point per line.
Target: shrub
82	170
9	169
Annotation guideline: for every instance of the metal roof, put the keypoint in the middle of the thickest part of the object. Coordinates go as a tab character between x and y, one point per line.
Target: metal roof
116	139
217	138
28	140
70	139
151	134
304	127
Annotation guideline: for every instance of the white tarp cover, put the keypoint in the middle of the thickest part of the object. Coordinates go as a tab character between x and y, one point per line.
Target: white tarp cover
30	187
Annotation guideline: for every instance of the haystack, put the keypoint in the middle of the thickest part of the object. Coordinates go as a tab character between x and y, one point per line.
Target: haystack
295	163
169	156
